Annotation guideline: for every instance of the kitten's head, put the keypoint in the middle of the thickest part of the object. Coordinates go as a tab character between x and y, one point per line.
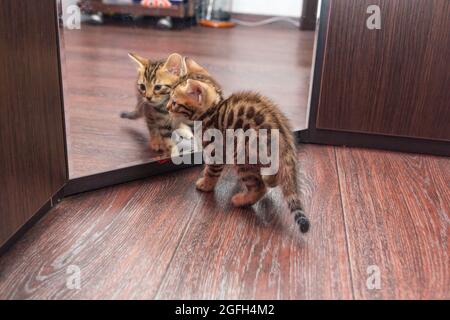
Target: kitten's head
194	93
156	78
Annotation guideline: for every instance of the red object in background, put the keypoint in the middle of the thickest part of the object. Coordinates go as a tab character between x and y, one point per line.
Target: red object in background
163	161
156	3
216	24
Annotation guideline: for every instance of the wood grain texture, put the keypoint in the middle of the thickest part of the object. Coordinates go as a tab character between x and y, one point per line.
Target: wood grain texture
128	239
100	81
32	156
160	238
121	238
397	213
392	81
258	253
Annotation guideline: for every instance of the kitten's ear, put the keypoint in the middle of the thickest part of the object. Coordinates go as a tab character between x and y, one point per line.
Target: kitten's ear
193	67
174	64
141	62
195	91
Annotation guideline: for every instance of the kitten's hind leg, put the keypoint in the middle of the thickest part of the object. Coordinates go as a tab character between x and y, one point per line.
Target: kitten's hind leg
256	188
211	175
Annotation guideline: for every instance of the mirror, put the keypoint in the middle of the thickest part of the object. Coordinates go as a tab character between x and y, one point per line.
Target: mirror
108	47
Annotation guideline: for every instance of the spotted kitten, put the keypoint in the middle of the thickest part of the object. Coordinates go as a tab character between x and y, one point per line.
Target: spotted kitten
155	79
198	97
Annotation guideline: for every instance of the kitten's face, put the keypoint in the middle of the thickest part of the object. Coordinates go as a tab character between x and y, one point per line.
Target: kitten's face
191	99
155	79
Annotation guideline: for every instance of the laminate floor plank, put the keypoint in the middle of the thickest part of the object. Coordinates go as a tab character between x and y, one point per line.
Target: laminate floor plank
258	253
397	214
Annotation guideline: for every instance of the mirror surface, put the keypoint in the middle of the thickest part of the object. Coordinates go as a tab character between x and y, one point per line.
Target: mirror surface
100	79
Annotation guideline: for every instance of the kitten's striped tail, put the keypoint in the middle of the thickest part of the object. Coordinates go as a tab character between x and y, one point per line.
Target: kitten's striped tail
289	186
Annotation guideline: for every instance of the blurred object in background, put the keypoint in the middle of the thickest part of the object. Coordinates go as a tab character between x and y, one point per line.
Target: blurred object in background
165	23
216	14
156	3
168	12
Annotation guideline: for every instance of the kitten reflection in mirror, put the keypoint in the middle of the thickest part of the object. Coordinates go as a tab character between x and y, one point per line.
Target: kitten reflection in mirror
155	79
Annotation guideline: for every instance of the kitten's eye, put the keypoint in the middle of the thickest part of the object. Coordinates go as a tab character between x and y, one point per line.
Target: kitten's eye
142	87
157	87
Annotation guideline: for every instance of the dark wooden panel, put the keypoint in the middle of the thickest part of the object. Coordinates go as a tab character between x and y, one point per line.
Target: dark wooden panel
100	81
308	18
32	156
353	139
397	213
391	81
256	253
123	175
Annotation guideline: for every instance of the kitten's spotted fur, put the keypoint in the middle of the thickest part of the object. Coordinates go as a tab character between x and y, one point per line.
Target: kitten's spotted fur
198	96
154	83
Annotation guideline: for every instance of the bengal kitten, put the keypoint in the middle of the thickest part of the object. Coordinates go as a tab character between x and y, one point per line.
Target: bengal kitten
155	79
199	97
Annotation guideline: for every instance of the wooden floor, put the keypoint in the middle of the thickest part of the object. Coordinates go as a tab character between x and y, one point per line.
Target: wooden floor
100	80
160	238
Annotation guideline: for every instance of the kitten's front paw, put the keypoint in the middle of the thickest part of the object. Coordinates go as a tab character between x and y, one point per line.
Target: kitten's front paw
126	115
204	185
185	132
159	145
